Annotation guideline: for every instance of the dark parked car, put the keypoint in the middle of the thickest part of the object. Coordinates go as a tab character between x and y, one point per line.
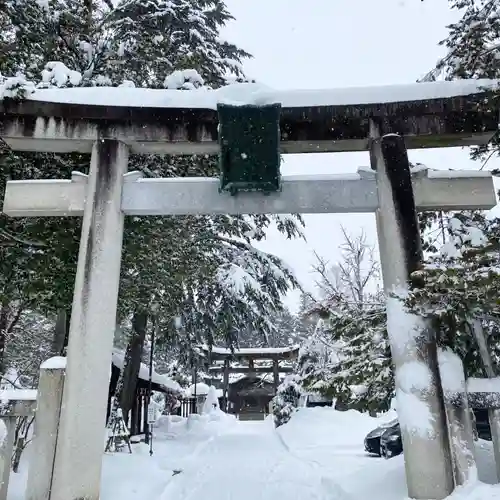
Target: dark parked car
386	437
385	441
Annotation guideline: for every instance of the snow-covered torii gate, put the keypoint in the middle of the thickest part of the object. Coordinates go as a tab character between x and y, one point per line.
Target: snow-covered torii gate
142	121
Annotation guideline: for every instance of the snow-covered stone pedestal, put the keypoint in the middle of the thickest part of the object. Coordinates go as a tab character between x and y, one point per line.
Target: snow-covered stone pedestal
43	447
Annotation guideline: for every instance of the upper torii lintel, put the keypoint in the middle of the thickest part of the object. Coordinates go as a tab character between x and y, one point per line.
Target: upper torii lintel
428	115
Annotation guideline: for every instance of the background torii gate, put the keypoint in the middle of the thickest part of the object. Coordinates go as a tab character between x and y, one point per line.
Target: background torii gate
428	115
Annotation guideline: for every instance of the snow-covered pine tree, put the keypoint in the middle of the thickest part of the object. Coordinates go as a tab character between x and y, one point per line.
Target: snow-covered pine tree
318	355
363	378
473	47
461	285
167	261
348	357
286	401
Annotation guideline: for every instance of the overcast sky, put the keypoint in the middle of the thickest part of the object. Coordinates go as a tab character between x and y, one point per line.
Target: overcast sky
300	44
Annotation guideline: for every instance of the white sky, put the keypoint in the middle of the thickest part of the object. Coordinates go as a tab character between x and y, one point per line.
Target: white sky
339	43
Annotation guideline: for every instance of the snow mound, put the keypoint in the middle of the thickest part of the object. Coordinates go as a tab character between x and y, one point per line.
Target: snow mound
334	442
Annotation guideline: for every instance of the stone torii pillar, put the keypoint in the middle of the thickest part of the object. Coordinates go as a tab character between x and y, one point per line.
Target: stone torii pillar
428	464
109	193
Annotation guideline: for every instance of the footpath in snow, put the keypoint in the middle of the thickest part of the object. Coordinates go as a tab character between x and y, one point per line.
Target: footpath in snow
250	462
318	455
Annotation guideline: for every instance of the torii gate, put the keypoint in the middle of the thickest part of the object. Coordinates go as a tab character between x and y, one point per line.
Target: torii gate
374	119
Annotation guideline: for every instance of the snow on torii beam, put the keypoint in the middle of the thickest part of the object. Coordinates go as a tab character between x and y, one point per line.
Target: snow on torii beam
351	193
428	115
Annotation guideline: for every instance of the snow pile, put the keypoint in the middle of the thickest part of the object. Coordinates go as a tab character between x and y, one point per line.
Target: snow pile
187	79
333	442
205	425
59	75
199	389
211	402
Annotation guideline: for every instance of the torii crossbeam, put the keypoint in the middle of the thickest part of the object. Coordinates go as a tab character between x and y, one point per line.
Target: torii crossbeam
143	121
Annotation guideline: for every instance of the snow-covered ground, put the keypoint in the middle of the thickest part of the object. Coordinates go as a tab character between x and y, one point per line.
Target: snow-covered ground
317	455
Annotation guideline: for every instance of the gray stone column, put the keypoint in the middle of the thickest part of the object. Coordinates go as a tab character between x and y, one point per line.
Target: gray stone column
419	395
80	446
43	446
7	450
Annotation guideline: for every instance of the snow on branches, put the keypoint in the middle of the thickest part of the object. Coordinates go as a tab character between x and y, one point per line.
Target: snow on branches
16	87
461	285
286	401
348	356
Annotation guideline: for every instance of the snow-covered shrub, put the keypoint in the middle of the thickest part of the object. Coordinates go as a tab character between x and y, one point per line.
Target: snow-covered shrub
57	74
286	401
15	87
187	79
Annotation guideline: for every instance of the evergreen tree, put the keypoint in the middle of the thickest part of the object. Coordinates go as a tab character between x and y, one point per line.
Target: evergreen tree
185	266
473	45
348	356
459	289
286	401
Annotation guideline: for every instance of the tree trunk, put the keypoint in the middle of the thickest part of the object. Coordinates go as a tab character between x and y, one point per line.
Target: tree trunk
132	363
9	316
4	322
61	332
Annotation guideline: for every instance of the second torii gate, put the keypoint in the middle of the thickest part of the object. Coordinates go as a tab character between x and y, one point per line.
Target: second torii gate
108	193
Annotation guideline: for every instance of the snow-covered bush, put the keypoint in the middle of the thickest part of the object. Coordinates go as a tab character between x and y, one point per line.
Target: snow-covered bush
286	401
15	87
187	79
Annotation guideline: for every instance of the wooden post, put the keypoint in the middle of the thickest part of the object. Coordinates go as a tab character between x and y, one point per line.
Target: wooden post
7	450
226	384
251	367
276	374
49	396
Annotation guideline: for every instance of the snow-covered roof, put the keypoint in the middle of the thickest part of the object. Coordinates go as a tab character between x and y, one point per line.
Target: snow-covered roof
118	360
258	94
251	350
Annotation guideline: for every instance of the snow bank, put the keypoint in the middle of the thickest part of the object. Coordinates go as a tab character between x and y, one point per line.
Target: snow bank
206	425
476	491
333	441
256	94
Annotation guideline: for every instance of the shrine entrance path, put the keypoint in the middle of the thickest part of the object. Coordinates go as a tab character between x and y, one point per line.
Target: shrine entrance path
249	462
